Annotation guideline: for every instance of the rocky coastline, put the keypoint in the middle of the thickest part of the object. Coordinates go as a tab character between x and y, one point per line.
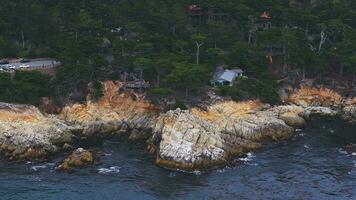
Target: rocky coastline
181	139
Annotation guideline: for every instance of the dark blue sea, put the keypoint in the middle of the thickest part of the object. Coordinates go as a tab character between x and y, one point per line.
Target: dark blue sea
312	165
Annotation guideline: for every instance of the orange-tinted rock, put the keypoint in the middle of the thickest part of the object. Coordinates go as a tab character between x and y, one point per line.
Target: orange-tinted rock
26	134
114	113
309	96
79	158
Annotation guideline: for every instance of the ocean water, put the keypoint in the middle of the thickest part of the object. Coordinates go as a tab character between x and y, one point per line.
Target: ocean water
312	165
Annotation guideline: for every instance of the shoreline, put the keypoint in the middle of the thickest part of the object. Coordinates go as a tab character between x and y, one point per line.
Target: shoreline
185	140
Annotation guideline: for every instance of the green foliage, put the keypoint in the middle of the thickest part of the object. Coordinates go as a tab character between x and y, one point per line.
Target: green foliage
161	92
96	89
26	87
247	89
160	41
188	76
180	104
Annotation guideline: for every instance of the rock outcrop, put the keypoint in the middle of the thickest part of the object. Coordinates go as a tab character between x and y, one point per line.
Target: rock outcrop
351	148
25	133
198	139
325	101
349	110
78	159
114	114
316	97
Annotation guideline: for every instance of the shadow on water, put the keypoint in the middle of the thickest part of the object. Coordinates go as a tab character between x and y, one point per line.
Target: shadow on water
313	165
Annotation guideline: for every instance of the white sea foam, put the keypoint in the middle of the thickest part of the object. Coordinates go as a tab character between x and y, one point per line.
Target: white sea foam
342	151
172	174
249	157
108	170
38	167
197	172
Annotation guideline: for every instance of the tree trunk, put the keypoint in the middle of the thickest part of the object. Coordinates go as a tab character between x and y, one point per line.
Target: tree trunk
158	79
249	37
303	72
23	39
284	60
186	92
215	42
141	79
174	30
198	51
322	39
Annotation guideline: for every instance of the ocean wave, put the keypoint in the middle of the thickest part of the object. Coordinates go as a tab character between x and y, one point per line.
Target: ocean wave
109	170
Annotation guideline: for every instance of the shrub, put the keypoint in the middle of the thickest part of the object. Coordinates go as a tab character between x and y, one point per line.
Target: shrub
162	92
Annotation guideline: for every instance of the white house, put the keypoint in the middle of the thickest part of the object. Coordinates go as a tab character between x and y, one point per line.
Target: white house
224	76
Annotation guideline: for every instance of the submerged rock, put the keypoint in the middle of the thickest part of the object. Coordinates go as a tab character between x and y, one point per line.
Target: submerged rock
351	148
78	159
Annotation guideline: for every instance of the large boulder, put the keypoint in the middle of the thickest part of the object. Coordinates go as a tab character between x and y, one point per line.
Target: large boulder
78	159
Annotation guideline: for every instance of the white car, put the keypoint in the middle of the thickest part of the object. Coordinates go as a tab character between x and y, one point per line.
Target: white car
24	66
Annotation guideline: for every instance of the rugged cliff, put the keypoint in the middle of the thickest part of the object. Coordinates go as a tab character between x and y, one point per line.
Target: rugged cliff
118	112
25	133
191	139
198	139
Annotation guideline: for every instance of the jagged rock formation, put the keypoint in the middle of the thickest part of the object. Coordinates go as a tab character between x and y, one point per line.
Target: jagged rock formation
25	133
115	113
325	101
198	139
316	97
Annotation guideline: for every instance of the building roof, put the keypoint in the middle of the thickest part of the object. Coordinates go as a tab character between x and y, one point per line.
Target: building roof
265	15
228	75
237	70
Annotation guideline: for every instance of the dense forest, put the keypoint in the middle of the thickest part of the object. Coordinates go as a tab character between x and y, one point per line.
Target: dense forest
175	45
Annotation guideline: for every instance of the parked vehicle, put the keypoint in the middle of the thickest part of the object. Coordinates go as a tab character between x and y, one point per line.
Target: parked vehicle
25	60
4	62
24	66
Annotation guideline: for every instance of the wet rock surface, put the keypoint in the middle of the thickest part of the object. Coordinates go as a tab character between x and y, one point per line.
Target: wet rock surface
351	148
78	159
